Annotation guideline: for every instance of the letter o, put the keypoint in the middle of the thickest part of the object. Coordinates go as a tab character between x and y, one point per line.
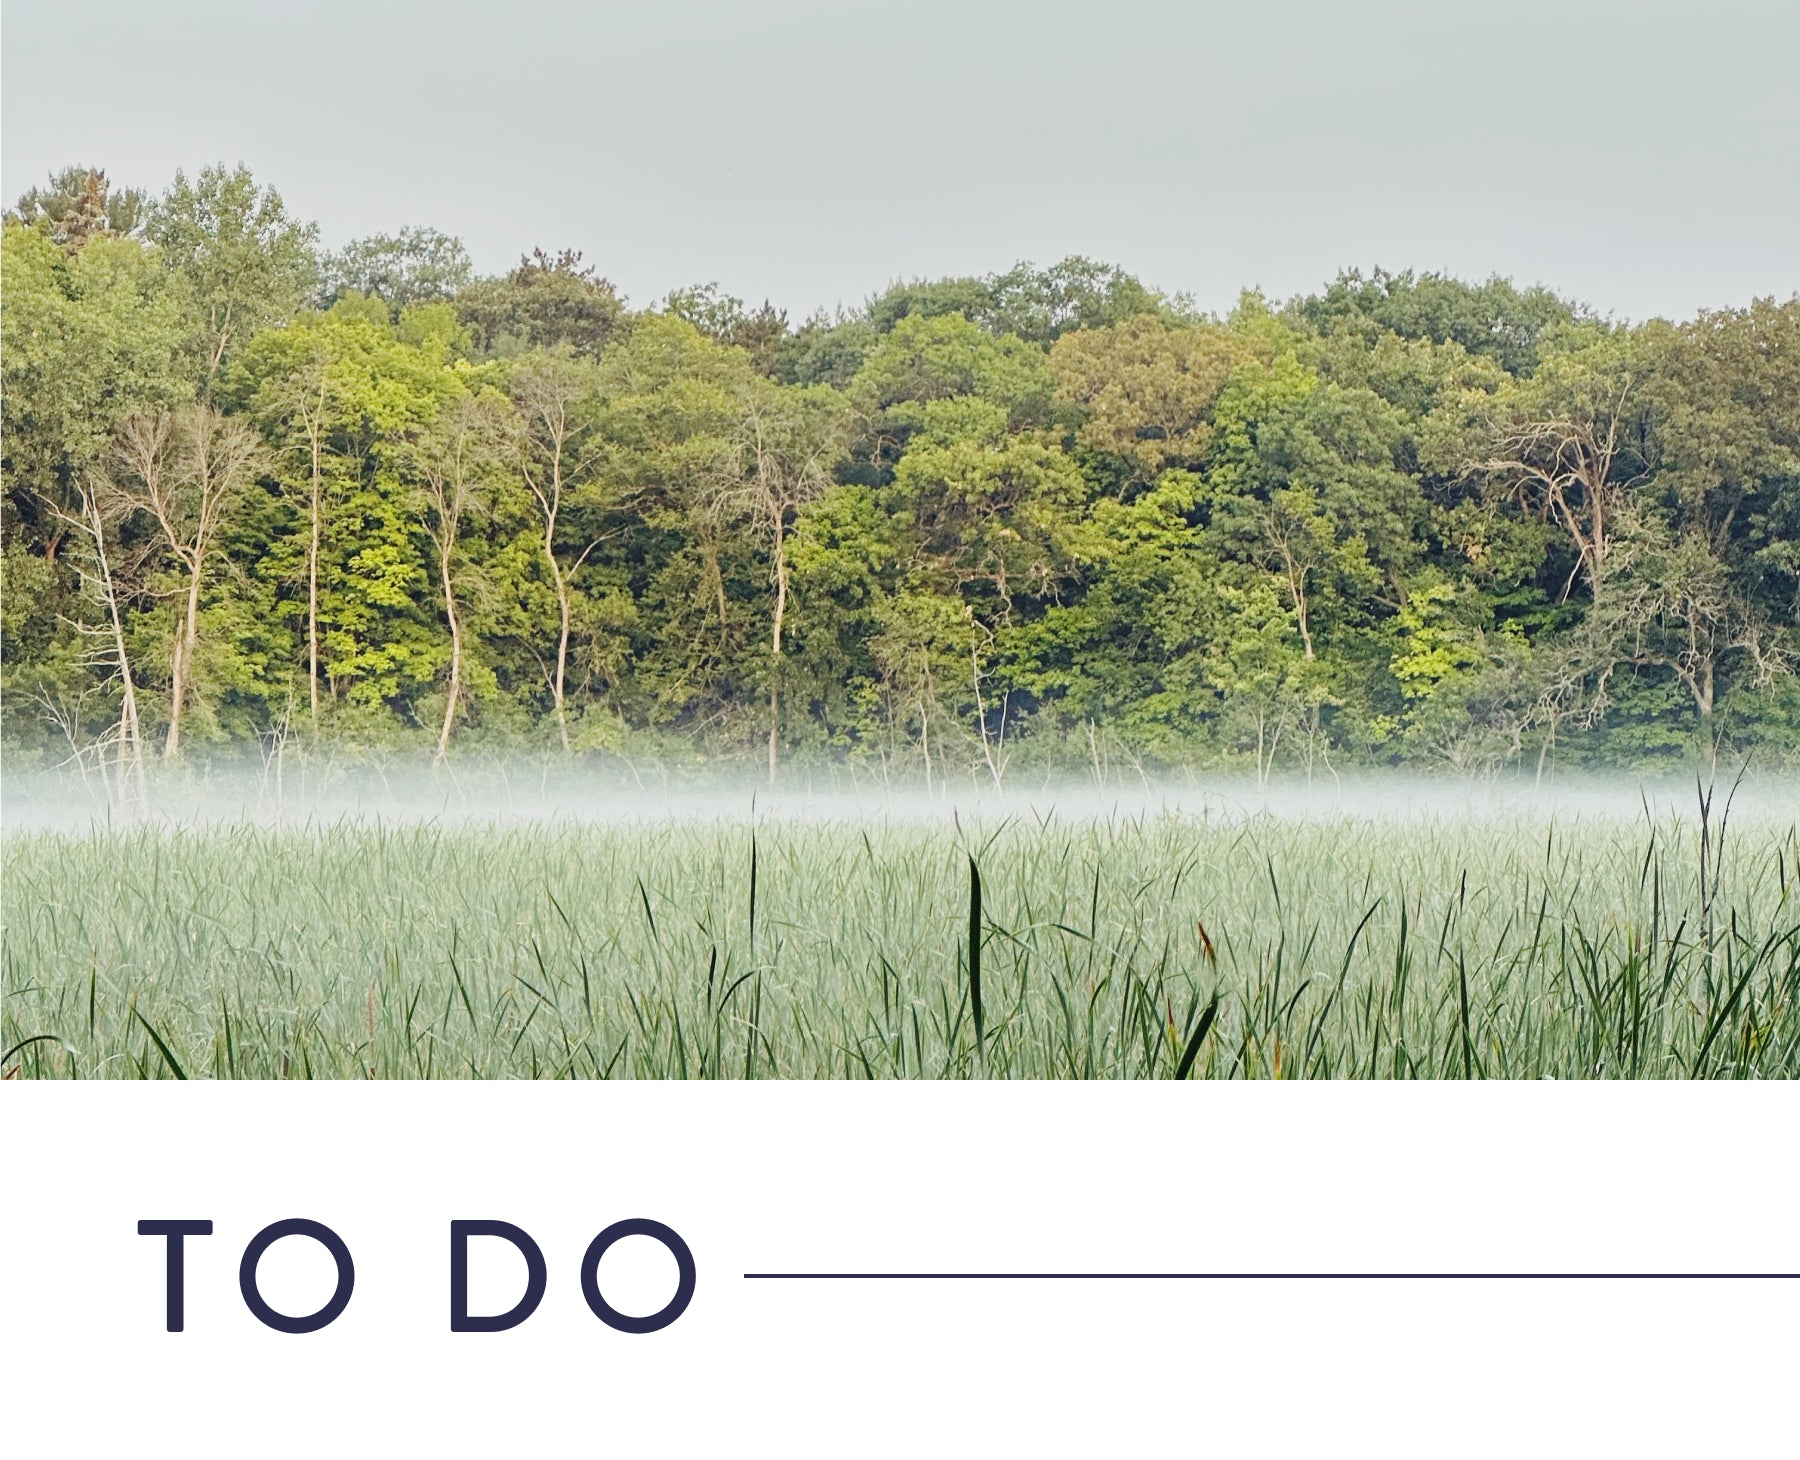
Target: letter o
590	1276
326	1238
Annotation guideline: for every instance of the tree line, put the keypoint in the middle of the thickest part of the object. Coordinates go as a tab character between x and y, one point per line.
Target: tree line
258	492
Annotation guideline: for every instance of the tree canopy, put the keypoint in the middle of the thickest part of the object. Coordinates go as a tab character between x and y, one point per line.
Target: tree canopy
255	492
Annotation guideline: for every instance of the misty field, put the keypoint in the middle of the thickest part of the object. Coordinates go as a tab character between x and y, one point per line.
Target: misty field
1157	944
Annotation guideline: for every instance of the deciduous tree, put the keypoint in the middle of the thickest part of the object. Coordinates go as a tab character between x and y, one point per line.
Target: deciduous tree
183	470
244	260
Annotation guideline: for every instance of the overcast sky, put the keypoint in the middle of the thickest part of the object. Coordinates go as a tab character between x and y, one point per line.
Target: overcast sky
1641	155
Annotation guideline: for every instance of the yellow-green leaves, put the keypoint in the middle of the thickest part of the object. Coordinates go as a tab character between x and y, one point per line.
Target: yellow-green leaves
1144	388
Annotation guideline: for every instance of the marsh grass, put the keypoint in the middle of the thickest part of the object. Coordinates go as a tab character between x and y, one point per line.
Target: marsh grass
1154	946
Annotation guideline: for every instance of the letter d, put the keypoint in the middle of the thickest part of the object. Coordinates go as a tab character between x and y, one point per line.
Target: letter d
460	1319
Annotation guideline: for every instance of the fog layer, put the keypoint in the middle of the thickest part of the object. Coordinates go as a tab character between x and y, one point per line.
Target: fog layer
525	792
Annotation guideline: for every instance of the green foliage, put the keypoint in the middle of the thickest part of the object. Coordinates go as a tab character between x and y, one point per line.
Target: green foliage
1494	319
242	260
548	301
78	204
1038	305
413	266
936	357
1042	305
88	340
1145	389
1043	512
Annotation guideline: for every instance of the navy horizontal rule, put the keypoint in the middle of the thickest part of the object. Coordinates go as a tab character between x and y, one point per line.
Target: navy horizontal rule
1271	1276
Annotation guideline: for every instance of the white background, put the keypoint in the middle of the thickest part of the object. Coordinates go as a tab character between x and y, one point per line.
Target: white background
816	1177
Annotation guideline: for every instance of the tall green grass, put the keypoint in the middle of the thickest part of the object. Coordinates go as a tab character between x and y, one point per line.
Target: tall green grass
1150	947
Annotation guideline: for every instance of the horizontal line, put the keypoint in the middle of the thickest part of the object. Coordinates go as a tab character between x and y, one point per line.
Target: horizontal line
1273	1276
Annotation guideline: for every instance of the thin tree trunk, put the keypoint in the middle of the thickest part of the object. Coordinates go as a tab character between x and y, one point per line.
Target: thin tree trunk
218	354
781	592
172	742
774	721
562	654
711	549
1297	587
987	751
1598	491
129	730
181	667
562	638
443	745
312	575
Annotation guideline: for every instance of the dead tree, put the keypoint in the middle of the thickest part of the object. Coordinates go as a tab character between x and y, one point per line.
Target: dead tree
183	469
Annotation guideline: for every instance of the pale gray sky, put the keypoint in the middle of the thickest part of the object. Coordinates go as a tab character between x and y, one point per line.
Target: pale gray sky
1641	155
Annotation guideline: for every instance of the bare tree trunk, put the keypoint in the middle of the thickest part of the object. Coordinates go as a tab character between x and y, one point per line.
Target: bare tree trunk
544	399
987	750
443	745
451	471
312	573
552	504
562	638
218	354
1296	577
774	722
781	592
130	735
180	668
711	550
187	467
1567	463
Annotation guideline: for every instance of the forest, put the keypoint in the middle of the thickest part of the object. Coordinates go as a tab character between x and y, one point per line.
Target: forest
258	494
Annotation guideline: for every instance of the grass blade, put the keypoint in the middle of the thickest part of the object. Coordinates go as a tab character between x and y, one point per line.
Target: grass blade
161	1048
1201	1028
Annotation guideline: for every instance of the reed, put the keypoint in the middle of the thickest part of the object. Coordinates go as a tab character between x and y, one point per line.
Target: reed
1139	947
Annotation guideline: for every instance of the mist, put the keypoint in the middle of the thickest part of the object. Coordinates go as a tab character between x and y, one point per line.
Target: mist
525	791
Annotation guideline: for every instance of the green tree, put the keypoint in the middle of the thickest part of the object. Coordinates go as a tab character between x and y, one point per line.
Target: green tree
1134	653
87	340
927	358
1037	305
457	462
549	301
90	340
245	261
1145	389
1304	485
1255	666
342	401
79	203
413	266
1041	305
186	472
776	456
1569	445
1468	685
559	448
1494	319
